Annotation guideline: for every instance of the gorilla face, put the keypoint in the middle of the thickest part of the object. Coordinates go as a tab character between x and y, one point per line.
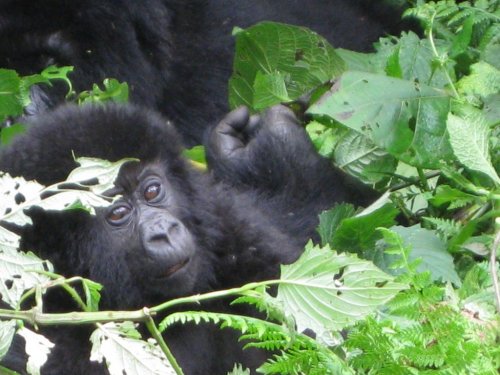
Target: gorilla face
149	223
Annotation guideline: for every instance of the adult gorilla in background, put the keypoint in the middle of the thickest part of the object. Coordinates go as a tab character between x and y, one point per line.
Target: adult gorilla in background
176	55
175	231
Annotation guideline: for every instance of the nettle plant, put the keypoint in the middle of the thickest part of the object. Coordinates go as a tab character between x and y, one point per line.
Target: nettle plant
417	118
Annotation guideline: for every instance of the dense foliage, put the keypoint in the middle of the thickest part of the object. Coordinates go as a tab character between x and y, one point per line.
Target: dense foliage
418	118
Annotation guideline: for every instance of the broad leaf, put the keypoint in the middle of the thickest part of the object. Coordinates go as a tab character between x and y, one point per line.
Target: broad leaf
37	348
325	291
18	273
427	246
358	156
331	219
125	353
276	62
102	170
9	89
469	139
358	235
404	118
7	331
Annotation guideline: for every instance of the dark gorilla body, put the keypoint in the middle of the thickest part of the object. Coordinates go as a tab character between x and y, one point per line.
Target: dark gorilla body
175	54
176	231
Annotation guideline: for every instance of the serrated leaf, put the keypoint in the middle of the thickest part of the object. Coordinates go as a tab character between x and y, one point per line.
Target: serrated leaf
239	370
9	89
358	234
269	89
37	348
14	190
404	118
282	60
427	246
358	156
102	170
457	198
469	139
323	138
9	242
484	80
7	331
125	354
16	274
113	91
325	291
413	57
92	294
331	219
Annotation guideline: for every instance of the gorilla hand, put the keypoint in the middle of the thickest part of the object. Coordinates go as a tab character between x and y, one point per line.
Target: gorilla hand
248	150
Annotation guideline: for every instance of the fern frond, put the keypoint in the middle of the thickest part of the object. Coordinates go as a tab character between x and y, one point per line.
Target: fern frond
445	227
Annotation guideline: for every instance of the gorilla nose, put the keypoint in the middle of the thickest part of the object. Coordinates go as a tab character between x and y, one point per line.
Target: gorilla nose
163	231
161	236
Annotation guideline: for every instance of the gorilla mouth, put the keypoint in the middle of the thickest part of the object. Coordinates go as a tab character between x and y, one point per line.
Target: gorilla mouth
170	271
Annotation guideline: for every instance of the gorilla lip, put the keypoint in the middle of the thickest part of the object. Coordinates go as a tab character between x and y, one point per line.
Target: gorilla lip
175	268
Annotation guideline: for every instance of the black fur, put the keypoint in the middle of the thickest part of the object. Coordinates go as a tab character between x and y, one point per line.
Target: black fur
175	54
253	210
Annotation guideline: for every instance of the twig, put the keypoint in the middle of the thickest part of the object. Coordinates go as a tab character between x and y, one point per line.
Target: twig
155	332
493	269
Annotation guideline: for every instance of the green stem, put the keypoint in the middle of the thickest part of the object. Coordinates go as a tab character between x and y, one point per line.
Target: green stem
211	295
493	269
155	332
436	54
58	281
35	317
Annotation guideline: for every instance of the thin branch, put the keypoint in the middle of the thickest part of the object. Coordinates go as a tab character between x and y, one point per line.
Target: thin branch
155	332
34	317
493	269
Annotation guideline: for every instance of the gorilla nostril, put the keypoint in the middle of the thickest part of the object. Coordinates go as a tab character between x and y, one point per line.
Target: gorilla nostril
159	237
173	228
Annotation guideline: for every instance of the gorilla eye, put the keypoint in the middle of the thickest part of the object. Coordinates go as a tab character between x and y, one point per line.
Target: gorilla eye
152	191
117	214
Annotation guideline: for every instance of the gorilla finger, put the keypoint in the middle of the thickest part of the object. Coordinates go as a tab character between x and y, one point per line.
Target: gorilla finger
236	119
254	124
281	120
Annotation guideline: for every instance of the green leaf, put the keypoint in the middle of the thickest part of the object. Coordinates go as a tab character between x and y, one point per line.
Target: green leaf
125	353
9	91
113	91
37	348
197	156
102	170
469	139
325	291
276	62
484	80
18	273
7	134
404	118
239	370
413	57
358	156
92	294
427	246
269	89
358	234
323	138
7	331
456	198
331	219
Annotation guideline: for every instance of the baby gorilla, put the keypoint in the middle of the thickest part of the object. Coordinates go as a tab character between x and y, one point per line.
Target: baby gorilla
175	231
